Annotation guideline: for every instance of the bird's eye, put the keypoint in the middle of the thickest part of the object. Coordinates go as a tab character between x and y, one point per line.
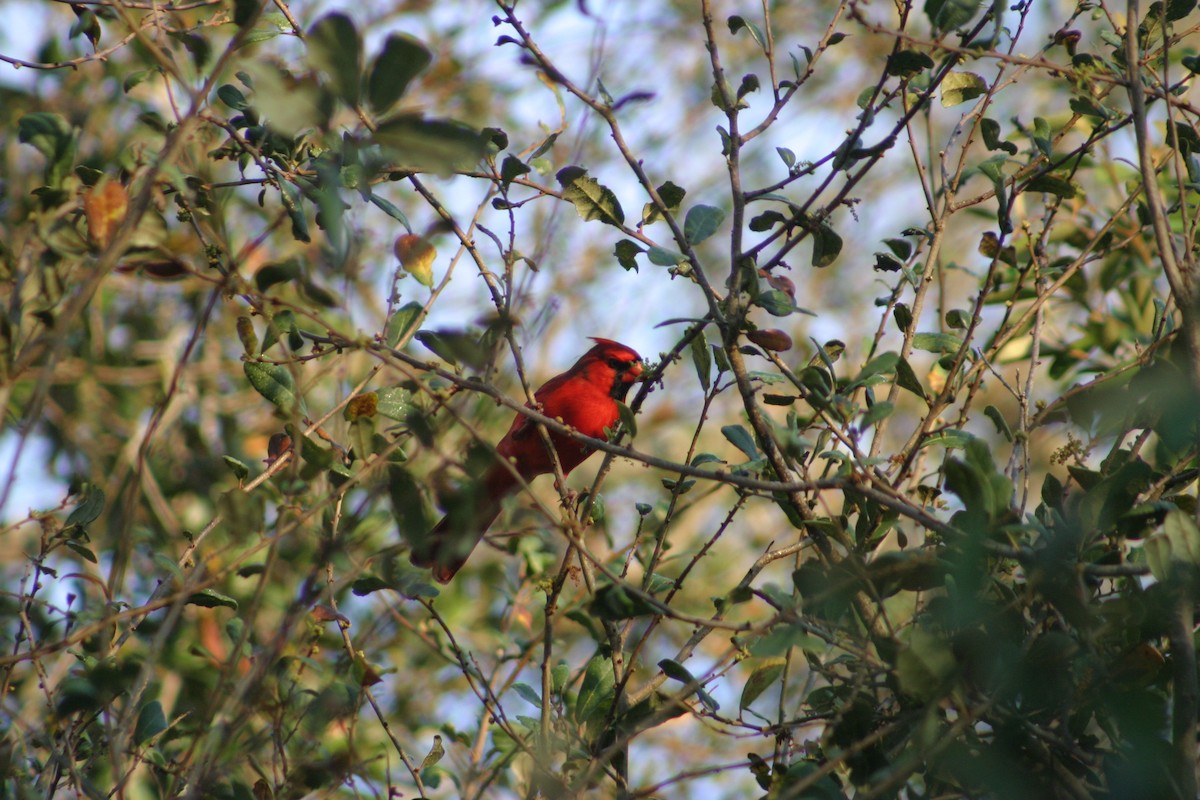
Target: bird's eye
615	363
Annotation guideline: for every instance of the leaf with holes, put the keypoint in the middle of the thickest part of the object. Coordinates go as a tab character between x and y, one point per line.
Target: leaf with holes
591	199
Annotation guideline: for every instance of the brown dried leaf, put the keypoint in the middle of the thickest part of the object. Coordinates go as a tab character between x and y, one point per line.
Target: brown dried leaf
104	206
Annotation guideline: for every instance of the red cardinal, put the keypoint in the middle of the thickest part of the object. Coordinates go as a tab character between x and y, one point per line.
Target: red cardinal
584	397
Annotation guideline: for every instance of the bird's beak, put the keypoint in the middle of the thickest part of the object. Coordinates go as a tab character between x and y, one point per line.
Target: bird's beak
635	371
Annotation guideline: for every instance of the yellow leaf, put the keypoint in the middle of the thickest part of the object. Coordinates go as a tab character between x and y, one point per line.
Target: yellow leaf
416	255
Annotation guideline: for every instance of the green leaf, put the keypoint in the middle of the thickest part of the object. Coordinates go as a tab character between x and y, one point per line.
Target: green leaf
702	360
907	63
958	319
261	34
614	602
512	168
288	104
239	469
591	200
294	205
993	413
702	222
232	96
881	364
596	691
959	87
496	138
543	148
282	324
86	23
210	598
150	722
275	383
750	83
1042	136
1178	544
626	252
737	23
168	565
783	638
676	671
907	379
721	359
971	486
947	15
408	508
740	438
1051	184
827	245
664	257
776	303
528	694
924	664
278	272
680	487
51	136
671	195
245	12
1178	9
766	220
901	248
1085	106
136	78
456	347
82	551
394	402
402	322
401	59
991	137
335	48
390	209
764	672
880	410
243	511
368	584
628	421
937	342
441	145
91	506
948	438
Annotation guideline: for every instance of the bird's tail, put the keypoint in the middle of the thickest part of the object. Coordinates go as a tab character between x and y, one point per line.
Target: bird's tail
448	545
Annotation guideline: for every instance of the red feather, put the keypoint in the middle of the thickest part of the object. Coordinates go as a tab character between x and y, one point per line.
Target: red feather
584	397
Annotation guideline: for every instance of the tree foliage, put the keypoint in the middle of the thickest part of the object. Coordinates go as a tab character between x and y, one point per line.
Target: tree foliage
905	508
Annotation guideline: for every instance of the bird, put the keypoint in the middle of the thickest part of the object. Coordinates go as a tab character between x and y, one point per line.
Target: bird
585	398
